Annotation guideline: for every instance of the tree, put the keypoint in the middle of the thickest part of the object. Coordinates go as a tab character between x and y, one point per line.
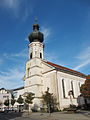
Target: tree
13	101
85	88
6	102
1	103
29	98
20	100
50	101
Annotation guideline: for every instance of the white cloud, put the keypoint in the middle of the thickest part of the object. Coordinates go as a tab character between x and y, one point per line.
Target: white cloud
83	58
46	32
11	78
10	4
14	7
1	61
52	57
26	39
22	53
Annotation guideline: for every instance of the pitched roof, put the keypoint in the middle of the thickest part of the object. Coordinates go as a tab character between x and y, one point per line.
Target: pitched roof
18	88
66	70
2	89
88	77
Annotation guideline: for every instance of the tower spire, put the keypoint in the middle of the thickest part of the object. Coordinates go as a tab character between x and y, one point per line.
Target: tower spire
36	20
36	35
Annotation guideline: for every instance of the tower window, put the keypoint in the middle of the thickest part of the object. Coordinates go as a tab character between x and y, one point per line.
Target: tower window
63	87
31	56
40	55
28	72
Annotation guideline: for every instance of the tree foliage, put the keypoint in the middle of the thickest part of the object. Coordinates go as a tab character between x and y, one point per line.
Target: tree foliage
20	100
1	103
6	102
29	98
85	88
50	100
13	100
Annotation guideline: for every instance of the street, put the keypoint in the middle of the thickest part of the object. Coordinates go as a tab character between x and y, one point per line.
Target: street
10	115
82	115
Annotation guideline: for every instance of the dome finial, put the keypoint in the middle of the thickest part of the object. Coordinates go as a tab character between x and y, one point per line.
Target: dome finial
36	20
36	26
36	35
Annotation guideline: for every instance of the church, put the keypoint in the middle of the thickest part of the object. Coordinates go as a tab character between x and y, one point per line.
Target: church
41	74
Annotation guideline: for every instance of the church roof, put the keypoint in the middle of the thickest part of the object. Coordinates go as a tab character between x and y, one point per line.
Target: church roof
20	88
66	70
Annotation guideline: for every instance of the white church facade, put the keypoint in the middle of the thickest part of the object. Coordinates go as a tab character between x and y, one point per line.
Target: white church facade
42	74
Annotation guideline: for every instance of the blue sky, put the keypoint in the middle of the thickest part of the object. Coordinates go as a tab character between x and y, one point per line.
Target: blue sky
65	24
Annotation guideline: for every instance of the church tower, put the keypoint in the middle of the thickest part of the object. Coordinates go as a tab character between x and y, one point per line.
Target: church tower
36	43
33	77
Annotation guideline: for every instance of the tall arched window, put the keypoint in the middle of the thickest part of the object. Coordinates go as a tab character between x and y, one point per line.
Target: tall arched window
63	87
28	72
40	55
31	56
79	86
72	87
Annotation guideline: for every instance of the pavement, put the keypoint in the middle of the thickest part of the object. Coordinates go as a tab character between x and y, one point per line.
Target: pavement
10	115
80	115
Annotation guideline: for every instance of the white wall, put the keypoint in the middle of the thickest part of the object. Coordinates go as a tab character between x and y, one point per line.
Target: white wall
65	102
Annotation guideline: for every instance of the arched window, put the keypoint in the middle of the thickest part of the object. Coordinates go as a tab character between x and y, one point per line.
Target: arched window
28	72
31	56
63	87
40	55
72	87
79	86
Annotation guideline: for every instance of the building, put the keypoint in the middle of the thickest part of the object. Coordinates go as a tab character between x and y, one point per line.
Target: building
4	95
42	74
17	92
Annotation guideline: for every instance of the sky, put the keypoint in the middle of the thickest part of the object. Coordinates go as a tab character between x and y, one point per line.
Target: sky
66	28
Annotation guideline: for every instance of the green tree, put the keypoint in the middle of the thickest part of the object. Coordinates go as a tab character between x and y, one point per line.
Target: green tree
85	88
50	101
13	100
29	99
20	100
6	103
1	103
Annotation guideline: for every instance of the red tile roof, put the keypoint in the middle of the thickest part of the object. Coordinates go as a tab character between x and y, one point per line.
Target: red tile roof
66	70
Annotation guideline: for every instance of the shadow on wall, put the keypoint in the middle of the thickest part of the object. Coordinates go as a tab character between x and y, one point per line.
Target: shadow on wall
83	103
35	108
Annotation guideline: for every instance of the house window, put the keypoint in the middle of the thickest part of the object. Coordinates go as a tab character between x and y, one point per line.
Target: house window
63	87
36	53
4	96
72	88
31	56
40	55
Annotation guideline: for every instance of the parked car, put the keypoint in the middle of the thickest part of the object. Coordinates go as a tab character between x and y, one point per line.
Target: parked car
1	109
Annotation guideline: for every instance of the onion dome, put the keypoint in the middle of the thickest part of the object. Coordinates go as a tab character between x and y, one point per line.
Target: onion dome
36	36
